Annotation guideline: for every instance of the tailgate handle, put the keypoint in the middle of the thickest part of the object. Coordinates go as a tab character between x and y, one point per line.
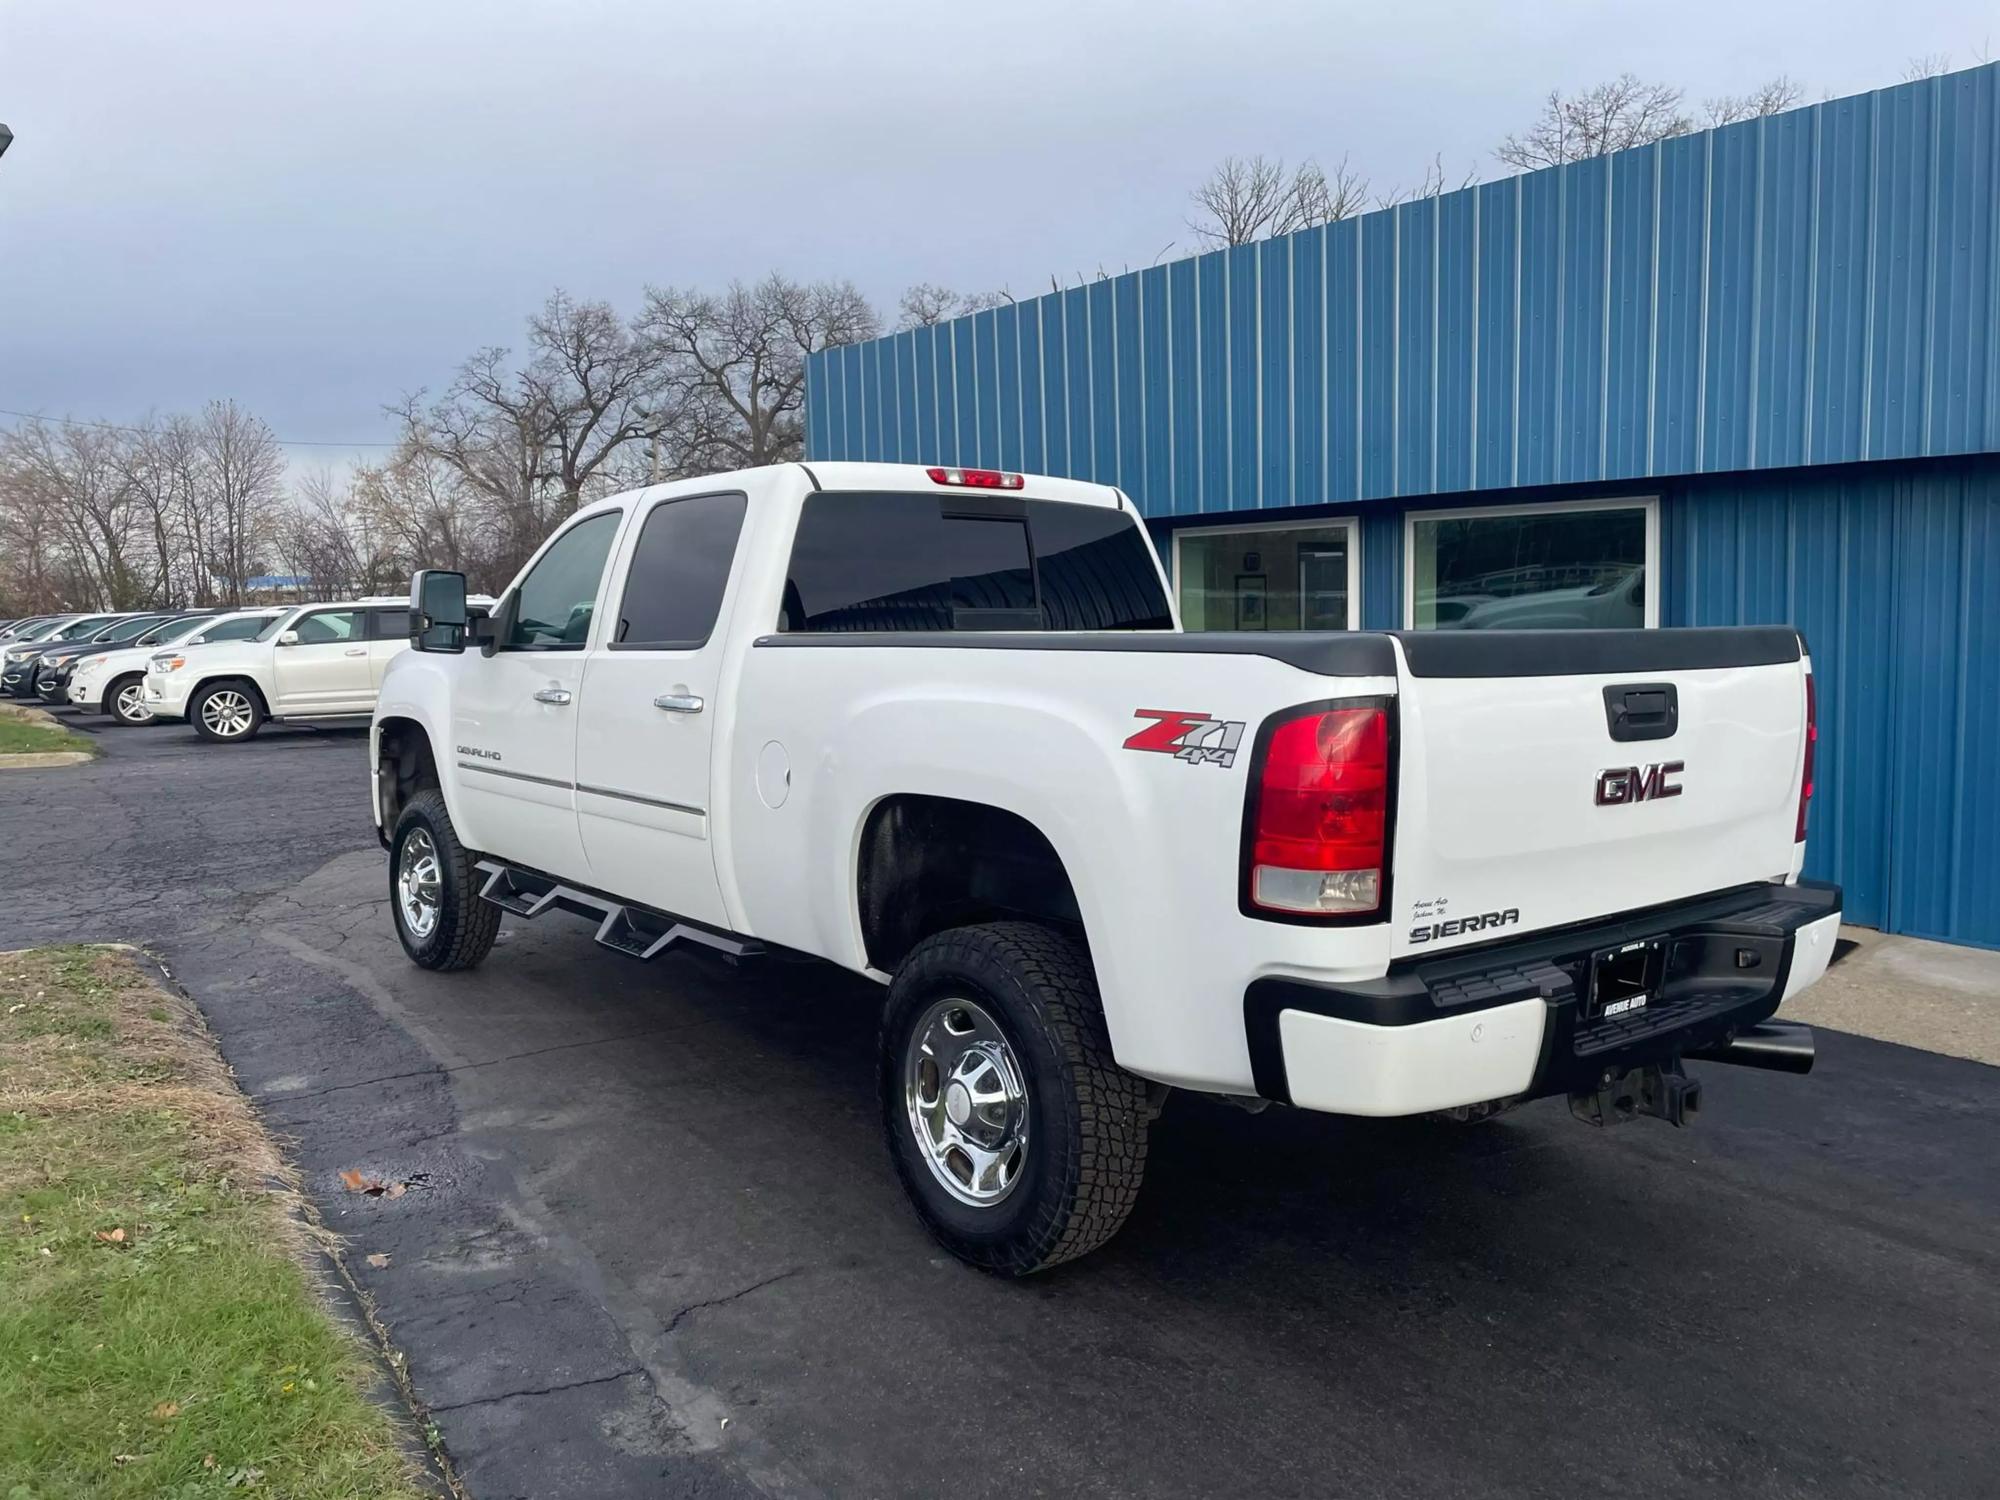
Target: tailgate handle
1642	711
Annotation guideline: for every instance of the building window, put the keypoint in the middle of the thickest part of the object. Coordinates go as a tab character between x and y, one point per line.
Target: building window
1572	566
1283	577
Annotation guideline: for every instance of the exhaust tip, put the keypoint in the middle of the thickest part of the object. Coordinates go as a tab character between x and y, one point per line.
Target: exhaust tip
1775	1046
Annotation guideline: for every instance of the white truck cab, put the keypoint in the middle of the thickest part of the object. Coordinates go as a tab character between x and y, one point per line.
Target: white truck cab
940	727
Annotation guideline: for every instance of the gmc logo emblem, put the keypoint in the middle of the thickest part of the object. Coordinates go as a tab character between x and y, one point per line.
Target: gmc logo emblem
1624	784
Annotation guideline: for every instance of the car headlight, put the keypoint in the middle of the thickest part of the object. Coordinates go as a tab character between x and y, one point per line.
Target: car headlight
169	663
93	661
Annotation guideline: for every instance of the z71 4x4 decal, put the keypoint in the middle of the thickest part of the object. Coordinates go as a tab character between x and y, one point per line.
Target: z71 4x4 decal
1194	738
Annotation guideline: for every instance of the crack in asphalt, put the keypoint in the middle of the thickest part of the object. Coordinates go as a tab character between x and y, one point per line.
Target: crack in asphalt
546	1390
737	1296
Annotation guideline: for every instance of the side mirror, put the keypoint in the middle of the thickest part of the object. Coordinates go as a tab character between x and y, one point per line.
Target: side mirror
288	638
438	615
196	640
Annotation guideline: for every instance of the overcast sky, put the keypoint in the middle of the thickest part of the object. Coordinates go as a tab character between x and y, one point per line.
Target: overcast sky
314	207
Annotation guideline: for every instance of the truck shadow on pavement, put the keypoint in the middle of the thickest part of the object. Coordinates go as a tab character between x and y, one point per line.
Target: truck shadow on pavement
663	1188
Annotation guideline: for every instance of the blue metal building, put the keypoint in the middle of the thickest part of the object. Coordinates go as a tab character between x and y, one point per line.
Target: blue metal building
1750	375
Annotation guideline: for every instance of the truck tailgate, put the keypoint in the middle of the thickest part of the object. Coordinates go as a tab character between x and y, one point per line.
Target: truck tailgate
1551	778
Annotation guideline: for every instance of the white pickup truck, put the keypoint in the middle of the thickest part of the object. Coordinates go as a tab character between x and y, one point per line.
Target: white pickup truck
939	727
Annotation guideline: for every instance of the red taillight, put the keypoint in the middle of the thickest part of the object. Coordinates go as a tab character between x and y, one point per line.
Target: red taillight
978	479
1812	745
1320	825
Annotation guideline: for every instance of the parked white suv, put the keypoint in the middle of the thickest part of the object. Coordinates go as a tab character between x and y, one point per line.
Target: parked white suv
939	727
313	661
113	682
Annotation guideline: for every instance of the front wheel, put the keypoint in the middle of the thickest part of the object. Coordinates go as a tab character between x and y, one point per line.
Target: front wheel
226	712
1018	1139
125	701
434	889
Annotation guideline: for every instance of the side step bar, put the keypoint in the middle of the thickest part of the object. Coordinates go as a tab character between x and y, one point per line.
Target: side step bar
637	931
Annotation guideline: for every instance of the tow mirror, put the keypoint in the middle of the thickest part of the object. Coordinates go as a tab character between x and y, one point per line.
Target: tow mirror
438	615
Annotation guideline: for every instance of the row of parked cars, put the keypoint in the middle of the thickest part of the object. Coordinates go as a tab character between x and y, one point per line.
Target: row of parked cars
226	672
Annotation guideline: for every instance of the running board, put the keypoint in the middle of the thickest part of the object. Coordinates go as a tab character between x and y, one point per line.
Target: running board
637	931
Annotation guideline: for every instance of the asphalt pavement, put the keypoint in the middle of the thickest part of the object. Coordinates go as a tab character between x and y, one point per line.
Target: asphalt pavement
652	1244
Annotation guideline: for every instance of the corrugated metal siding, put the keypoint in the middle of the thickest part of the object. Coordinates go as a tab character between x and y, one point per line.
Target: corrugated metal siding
1819	286
1893	573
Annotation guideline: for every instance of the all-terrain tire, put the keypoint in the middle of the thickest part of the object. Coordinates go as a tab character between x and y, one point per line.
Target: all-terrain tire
1085	1153
245	715
465	925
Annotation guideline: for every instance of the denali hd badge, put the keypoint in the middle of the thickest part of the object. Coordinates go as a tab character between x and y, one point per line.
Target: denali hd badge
1191	737
1624	784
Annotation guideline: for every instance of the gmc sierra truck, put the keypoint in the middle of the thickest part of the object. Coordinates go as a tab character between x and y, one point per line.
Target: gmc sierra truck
940	727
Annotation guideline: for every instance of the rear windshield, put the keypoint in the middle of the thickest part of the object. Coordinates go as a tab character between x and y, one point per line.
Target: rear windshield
912	561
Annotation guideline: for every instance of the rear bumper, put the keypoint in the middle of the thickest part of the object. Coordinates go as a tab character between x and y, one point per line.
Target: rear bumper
1506	1021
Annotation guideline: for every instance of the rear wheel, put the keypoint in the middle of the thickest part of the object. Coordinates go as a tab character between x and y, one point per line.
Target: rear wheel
434	889
125	701
226	712
1019	1140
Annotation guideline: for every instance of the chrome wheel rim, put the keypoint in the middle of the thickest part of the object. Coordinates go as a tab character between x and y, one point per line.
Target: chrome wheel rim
418	883
226	713
130	704
967	1101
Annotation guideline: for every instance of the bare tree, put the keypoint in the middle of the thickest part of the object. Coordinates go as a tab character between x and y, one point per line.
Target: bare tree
74	470
1927	65
1320	198
1254	197
927	304
1433	184
1770	98
737	363
241	476
533	439
1609	117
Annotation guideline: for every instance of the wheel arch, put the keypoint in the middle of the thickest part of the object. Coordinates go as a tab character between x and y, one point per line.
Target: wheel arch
405	764
925	863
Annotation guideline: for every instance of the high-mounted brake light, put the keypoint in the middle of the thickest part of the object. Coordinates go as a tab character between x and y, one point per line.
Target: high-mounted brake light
1812	746
1319	817
978	479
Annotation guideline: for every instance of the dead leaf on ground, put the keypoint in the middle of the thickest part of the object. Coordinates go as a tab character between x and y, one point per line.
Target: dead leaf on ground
397	1189
378	1260
166	1411
357	1181
122	1459
208	1460
111	1236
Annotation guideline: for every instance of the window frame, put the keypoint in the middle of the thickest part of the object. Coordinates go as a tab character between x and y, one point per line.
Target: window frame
1649	504
507	609
1351	524
722	603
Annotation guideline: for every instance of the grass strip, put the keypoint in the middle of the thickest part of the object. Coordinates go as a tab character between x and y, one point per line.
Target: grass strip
160	1333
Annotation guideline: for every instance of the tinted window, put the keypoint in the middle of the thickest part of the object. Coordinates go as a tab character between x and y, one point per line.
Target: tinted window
329	625
553	606
390	625
920	562
679	570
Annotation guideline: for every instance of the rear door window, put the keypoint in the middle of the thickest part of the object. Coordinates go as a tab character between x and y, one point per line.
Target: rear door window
674	588
912	561
389	625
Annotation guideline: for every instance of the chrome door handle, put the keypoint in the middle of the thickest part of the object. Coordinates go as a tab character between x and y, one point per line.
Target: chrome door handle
552	695
355	651
678	703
